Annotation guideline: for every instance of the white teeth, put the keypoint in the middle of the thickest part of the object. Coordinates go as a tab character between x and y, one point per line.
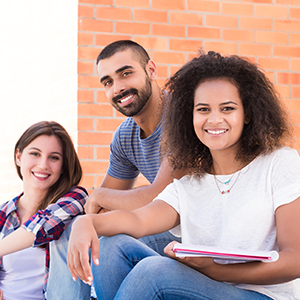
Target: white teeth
216	131
40	175
125	99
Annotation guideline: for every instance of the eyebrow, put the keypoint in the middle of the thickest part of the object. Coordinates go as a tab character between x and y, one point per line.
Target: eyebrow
224	103
34	148
117	72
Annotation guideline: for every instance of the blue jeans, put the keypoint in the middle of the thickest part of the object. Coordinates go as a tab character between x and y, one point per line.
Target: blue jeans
130	270
60	283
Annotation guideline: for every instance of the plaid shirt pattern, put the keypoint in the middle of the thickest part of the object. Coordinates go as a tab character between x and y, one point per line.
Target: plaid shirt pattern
48	224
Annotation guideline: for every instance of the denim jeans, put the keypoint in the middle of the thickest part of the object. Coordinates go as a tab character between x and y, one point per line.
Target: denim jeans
130	270
60	283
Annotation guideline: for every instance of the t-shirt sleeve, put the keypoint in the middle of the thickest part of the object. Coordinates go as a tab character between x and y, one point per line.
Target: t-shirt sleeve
285	177
120	166
170	195
49	224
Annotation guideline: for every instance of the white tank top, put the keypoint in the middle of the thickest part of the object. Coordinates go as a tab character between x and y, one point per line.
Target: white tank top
23	273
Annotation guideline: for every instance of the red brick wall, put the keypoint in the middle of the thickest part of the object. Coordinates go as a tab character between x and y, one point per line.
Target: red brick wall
266	31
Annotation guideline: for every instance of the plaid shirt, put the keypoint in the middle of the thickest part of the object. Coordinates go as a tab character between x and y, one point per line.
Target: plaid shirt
48	224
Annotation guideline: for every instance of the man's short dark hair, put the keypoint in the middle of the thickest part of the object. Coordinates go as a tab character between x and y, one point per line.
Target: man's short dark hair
122	45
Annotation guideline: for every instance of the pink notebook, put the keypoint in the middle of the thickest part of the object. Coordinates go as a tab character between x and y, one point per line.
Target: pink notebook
182	250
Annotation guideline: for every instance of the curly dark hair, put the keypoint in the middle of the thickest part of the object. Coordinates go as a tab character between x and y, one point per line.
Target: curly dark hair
266	131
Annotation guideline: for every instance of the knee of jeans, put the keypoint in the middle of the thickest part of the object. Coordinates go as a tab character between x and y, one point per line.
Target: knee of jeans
154	266
112	242
112	246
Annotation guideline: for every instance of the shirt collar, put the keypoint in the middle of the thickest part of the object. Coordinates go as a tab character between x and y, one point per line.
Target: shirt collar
12	205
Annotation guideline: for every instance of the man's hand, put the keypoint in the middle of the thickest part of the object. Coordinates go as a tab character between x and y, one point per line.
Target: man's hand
83	237
103	210
91	205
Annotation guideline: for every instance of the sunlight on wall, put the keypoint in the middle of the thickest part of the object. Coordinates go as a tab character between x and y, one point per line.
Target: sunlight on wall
38	74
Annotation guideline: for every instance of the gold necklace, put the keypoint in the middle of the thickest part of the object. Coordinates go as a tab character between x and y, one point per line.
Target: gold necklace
227	191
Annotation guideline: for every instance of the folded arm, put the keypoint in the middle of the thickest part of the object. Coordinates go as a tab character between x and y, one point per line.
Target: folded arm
49	224
46	225
120	194
18	240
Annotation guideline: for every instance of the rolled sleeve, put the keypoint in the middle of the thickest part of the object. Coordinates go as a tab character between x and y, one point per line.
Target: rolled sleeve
48	224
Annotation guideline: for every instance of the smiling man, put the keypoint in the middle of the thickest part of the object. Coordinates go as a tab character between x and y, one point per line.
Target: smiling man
129	80
128	76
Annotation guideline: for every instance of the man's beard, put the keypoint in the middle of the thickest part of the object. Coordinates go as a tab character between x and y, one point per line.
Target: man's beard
141	98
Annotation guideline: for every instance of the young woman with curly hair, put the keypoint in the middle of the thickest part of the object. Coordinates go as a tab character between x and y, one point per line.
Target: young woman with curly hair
225	124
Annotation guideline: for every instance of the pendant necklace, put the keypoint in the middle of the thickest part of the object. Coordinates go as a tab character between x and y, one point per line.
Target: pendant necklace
226	183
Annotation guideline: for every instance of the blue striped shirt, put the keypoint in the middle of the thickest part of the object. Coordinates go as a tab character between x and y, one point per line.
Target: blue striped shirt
130	155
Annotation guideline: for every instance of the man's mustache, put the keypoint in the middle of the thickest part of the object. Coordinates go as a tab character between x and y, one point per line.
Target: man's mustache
126	93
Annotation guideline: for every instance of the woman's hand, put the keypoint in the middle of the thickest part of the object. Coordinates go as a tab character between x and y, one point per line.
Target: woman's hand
205	265
83	237
1	295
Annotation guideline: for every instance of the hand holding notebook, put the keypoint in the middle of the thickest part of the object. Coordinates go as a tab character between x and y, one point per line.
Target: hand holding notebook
183	250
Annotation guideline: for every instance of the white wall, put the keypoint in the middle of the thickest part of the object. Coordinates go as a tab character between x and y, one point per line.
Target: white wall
38	74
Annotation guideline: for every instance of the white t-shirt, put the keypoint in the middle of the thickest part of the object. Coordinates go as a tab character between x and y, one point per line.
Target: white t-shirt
23	275
244	218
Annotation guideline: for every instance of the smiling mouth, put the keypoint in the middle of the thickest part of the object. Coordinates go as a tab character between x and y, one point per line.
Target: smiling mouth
39	175
125	99
216	131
